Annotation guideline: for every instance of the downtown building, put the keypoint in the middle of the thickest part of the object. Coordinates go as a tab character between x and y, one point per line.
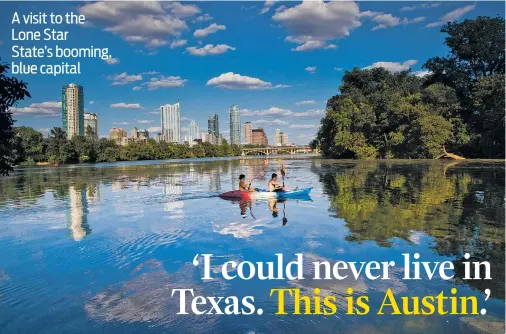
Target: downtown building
259	137
280	138
248	133
72	110
91	125
171	122
193	133
235	125
213	129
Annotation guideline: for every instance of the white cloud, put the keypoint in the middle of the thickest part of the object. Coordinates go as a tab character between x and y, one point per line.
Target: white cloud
124	78
92	102
145	121
338	68
178	43
112	61
137	88
122	105
452	16
321	20
179	10
310	45
209	50
120	123
211	29
421	74
279	112
165	82
314	113
392	66
303	126
273	111
388	20
385	21
310	69
267	6
154	129
423	5
232	80
203	18
275	122
300	103
48	108
145	22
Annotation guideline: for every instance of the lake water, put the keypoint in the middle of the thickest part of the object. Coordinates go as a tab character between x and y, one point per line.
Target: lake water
100	248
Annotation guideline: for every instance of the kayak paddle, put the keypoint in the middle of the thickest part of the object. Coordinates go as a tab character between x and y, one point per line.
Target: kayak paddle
283	176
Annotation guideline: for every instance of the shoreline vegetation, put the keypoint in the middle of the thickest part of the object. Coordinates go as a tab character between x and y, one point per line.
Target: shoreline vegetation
31	148
457	104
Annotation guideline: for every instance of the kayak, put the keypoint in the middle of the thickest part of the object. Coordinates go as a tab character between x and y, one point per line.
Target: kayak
264	194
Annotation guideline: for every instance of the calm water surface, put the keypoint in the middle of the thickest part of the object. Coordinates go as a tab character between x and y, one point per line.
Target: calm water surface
100	248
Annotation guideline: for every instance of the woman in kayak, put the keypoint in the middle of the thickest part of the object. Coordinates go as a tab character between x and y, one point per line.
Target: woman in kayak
242	184
273	185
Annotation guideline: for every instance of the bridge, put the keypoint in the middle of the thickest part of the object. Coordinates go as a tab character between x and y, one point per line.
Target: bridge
276	150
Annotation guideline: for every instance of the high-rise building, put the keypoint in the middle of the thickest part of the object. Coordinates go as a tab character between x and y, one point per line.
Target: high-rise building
140	134
248	135
277	137
259	137
72	105
171	122
117	134
284	139
91	125
235	125
213	128
193	132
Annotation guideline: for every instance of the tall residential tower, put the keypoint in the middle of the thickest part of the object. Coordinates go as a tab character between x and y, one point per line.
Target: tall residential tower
213	128
235	125
72	105
91	125
248	134
171	122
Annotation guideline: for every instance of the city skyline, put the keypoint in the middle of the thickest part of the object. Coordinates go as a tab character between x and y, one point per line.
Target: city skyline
225	53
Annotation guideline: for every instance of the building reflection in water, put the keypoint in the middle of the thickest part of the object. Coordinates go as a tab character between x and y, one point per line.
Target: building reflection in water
77	213
172	190
214	180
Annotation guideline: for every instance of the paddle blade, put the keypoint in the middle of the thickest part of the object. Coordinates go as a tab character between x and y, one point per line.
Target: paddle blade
282	172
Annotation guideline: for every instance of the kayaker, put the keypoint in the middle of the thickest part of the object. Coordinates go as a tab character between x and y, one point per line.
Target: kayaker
273	185
242	184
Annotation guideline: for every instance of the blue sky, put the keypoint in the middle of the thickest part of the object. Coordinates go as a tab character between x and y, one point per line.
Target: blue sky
279	61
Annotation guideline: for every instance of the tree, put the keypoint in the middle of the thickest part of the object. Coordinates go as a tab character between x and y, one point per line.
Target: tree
11	91
89	131
55	144
32	143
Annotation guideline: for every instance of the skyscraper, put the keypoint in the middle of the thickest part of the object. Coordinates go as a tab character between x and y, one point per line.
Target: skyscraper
193	132
284	139
213	128
248	135
259	137
277	137
91	125
171	122
72	105
235	125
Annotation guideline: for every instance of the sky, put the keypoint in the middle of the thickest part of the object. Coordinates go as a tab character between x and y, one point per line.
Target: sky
279	61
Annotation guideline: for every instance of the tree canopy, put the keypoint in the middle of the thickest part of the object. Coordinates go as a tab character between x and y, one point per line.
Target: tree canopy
11	91
460	103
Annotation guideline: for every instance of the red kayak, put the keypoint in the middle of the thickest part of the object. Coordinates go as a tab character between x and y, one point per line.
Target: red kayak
263	194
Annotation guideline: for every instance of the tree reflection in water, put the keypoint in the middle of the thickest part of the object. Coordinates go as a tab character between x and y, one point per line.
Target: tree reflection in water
460	205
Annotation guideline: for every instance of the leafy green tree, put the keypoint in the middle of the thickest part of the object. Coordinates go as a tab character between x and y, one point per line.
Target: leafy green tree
11	91
55	143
